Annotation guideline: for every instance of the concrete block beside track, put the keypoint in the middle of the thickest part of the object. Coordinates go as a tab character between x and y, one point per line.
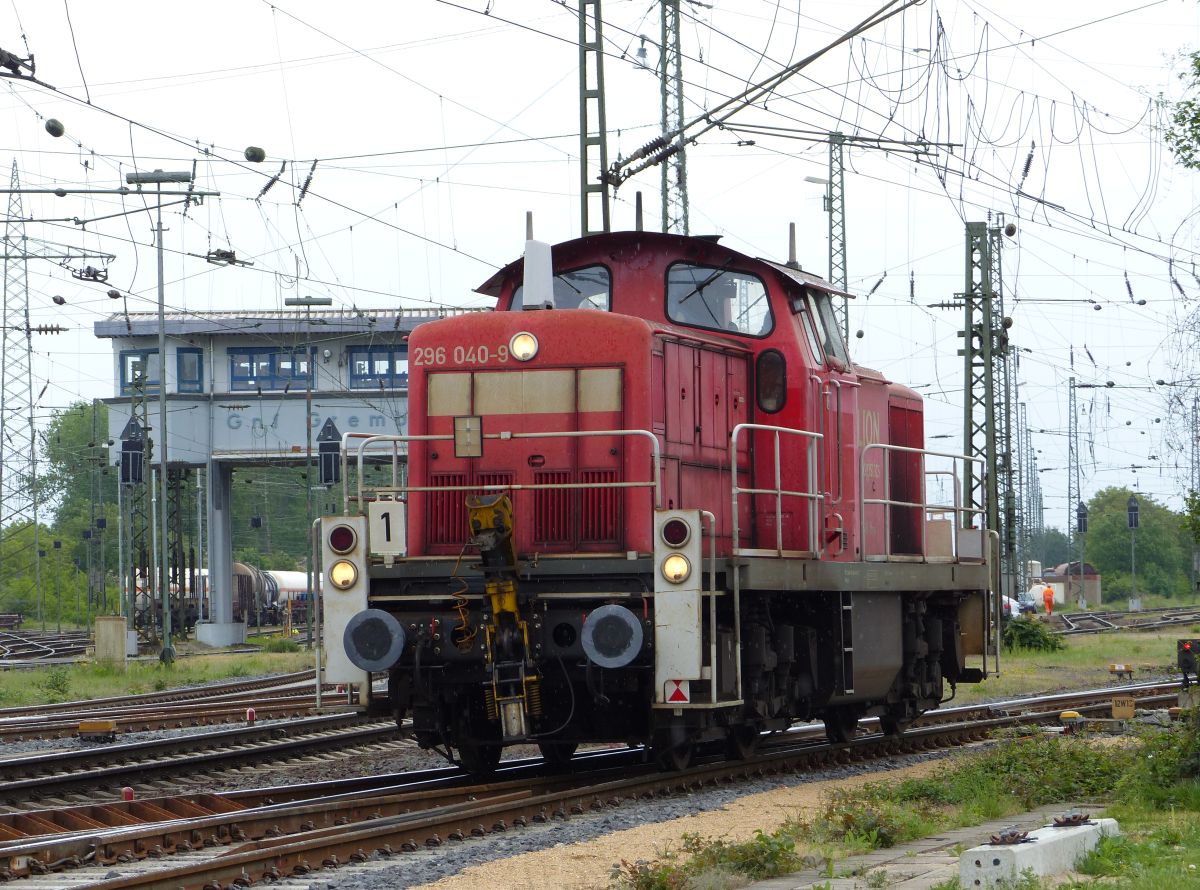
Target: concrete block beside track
1048	851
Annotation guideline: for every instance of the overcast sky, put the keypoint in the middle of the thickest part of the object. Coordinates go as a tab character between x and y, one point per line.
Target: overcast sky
435	126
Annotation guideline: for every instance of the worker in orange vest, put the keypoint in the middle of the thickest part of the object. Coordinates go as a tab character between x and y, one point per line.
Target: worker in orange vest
1048	599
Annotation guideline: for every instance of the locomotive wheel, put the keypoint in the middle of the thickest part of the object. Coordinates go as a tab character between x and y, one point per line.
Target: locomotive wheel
742	741
840	725
557	753
479	758
674	757
892	725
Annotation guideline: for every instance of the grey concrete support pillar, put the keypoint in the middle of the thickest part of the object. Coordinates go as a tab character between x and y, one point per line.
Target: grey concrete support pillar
220	629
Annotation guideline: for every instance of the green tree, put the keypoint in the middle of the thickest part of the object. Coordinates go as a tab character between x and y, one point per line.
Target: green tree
1183	128
1051	548
1191	516
1162	549
80	489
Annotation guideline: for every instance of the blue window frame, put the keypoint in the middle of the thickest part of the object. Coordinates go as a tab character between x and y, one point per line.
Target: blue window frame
378	367
268	368
189	370
139	362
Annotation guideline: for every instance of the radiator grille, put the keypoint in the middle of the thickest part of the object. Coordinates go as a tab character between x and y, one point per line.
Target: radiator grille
505	479
446	516
552	508
600	508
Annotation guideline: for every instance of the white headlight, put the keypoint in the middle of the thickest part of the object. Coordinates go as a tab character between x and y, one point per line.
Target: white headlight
523	346
343	574
676	568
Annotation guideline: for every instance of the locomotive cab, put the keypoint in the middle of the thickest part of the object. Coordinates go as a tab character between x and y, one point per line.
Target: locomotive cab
650	499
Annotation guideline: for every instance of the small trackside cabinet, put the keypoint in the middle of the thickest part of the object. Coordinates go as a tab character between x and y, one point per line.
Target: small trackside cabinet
678	628
344	585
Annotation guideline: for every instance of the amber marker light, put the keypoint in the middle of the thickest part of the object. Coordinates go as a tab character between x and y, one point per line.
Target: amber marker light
523	346
343	574
676	568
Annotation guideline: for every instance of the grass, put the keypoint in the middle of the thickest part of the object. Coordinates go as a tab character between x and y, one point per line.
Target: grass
1152	787
32	686
1082	663
1004	780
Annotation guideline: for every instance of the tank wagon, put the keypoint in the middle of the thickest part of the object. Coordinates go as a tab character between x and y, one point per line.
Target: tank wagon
650	499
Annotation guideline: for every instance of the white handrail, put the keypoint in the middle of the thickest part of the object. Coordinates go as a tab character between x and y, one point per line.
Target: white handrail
362	442
814	498
956	508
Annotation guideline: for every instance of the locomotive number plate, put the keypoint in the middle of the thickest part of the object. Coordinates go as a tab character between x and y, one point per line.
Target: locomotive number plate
475	354
386	528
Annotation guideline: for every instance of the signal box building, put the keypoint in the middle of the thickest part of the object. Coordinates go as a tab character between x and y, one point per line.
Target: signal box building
238	391
1069	580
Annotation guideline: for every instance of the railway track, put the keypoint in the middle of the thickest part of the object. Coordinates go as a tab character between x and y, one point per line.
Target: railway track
206	841
182	693
191	706
158	717
1076	623
48	776
34	646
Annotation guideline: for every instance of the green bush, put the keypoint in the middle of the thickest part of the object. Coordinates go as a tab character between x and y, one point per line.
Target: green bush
643	875
1166	765
1030	634
873	816
280	644
707	863
765	856
55	684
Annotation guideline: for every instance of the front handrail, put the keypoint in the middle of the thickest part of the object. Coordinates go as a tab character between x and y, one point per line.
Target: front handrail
363	441
812	496
957	509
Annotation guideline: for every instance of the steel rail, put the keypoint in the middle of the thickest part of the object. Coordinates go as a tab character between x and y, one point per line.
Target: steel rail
154	717
519	795
47	775
182	693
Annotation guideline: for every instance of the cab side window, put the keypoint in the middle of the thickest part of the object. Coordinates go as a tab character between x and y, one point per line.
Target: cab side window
718	299
827	330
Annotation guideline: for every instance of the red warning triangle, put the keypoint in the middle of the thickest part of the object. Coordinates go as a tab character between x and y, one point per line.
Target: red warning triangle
678	695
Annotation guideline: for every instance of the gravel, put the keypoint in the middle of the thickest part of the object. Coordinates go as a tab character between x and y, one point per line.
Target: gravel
425	866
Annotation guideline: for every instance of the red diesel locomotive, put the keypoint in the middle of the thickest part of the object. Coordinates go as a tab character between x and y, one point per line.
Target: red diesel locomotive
650	499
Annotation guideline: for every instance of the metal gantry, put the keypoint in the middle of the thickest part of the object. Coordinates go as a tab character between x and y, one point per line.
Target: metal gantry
19	447
18	431
674	169
179	574
1195	485
986	401
136	490
1074	496
593	127
1005	368
836	201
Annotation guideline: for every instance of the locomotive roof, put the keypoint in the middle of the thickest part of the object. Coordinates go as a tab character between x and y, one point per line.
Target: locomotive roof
492	286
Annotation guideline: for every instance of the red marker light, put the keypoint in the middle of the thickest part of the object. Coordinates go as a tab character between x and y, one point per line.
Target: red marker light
1187	646
342	539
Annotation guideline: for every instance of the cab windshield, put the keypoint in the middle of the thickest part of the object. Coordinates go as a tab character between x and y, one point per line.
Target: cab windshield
586	288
